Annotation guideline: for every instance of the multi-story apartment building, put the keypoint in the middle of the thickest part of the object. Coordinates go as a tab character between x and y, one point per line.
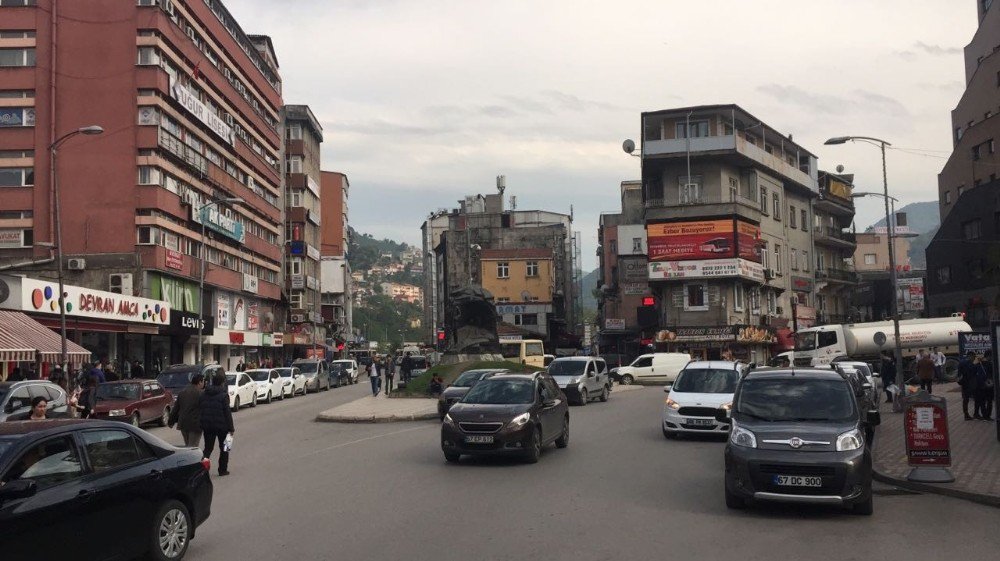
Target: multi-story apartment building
303	216
403	292
480	238
338	279
835	280
190	107
718	189
431	231
961	260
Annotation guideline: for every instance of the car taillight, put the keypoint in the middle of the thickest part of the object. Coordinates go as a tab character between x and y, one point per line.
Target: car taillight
207	464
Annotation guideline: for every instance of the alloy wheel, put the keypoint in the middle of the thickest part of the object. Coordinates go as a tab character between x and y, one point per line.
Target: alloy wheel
173	533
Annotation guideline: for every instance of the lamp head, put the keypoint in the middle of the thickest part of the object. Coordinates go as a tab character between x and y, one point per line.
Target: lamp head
92	129
837	140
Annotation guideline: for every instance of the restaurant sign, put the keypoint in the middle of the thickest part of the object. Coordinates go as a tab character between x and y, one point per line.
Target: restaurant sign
43	297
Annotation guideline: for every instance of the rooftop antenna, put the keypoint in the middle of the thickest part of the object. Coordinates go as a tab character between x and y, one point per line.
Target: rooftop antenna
501	183
513	202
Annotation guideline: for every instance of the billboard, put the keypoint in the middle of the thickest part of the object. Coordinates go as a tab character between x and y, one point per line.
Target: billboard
910	295
715	268
681	241
748	237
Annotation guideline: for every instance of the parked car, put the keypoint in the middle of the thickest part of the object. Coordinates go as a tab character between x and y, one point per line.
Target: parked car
461	386
176	376
134	401
15	399
80	489
514	414
697	394
268	384
798	436
654	367
339	375
293	382
530	352
242	390
581	378
316	373
348	365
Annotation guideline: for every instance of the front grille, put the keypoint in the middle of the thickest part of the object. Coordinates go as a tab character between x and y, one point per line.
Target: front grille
451	400
782	469
697	411
699	427
480	427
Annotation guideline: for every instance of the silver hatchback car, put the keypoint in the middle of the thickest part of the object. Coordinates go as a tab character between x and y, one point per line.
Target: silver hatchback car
15	398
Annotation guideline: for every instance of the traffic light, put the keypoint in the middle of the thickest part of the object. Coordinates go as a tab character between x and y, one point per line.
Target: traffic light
646	315
649	301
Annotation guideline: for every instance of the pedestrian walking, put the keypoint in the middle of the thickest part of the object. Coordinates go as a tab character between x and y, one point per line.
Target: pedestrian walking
888	375
968	381
97	372
137	370
985	390
186	413
925	371
217	420
374	378
389	374
939	362
86	401
58	377
406	368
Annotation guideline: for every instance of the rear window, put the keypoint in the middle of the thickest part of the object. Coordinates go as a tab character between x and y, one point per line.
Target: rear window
533	349
419	362
567	367
174	379
799	399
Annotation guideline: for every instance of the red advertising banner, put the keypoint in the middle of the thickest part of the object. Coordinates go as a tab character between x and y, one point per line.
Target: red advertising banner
748	236
926	426
175	260
681	241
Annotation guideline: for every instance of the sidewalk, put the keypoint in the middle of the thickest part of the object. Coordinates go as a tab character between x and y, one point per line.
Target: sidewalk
975	453
384	409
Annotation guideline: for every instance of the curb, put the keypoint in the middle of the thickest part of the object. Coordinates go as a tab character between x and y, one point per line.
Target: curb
321	418
980	498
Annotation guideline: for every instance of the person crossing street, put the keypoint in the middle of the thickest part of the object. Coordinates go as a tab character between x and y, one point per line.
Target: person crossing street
217	420
186	413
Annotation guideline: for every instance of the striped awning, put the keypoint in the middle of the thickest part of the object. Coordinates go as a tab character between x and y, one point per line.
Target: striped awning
22	337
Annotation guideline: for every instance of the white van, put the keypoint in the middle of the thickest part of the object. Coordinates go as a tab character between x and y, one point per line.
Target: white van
524	351
654	367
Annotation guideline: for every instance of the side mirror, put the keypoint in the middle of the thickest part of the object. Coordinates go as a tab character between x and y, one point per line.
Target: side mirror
18	489
668	387
752	365
724	416
874	418
866	387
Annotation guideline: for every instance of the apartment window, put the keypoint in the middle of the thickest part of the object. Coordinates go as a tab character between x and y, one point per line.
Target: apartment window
295	197
753	300
294	164
148	235
17	177
751	139
976	268
961	189
637	246
696	129
16	3
148	56
763	200
695	297
295	300
805	260
870	259
532	269
958	130
791	217
294	132
972	230
765	258
15	154
503	300
17	57
989	146
739	298
16	94
772	302
777	206
15	34
149	175
793	256
689	189
503	270
805	220
525	319
17	116
777	258
943	275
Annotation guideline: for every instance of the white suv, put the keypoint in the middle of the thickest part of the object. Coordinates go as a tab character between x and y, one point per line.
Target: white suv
581	378
699	391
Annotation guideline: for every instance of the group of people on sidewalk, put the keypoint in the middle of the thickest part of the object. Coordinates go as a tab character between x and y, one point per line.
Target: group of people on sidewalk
386	367
204	412
975	376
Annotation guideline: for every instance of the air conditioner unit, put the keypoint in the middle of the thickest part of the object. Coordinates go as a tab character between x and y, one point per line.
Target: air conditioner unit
120	283
76	264
769	274
298	318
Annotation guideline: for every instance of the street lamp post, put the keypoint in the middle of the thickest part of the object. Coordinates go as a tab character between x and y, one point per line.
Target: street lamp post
897	344
57	219
204	257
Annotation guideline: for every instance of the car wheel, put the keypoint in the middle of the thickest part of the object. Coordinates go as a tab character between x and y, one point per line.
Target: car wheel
604	394
865	508
171	532
563	440
135	420
733	501
535	450
162	421
253	402
584	397
627	380
236	404
269	397
452	457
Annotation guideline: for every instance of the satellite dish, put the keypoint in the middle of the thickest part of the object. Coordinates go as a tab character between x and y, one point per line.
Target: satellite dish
840	168
628	146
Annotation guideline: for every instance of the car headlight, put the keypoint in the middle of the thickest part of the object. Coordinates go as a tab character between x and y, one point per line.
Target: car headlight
117	413
742	437
448	420
850	440
520	420
673	404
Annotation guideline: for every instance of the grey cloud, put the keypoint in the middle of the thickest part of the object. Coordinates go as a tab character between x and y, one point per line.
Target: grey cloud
527	104
383	127
574	103
859	101
936	49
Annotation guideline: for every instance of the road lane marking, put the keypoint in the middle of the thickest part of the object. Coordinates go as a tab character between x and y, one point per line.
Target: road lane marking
358	441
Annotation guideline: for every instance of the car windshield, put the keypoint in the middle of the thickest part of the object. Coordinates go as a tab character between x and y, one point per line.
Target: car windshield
510	350
419	363
567	367
231	379
118	391
501	392
307	367
468	379
259	375
805	341
791	399
284	372
707	380
174	379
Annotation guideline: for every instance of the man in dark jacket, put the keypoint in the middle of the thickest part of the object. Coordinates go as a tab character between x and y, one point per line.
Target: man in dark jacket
967	380
217	420
406	368
186	413
888	375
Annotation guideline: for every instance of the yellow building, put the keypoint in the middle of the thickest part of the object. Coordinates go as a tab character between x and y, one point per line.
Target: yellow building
521	282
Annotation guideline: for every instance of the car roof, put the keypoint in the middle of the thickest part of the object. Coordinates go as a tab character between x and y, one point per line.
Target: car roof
21	428
132	382
789	373
718	364
515	376
575	358
484	370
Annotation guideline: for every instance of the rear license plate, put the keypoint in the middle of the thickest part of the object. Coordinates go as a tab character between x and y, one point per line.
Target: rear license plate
701	422
798	481
479	439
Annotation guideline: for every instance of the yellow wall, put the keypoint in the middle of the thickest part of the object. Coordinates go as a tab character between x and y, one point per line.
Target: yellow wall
539	287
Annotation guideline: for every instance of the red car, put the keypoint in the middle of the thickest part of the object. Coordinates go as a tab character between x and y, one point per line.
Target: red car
133	401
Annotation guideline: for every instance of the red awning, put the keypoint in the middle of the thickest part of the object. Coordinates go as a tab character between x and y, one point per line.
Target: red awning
21	337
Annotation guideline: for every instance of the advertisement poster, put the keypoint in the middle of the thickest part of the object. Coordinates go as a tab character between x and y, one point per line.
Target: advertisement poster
253	316
240	314
978	343
679	241
706	269
926	428
910	295
748	236
222	317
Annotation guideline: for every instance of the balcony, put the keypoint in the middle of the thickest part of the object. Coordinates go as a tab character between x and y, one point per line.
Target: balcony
834	204
668	209
835	237
836	275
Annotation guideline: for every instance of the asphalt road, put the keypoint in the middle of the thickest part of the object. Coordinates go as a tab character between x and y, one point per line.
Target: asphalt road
306	490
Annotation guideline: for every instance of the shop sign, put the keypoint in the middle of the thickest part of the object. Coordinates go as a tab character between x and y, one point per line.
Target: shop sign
715	268
802	284
507	309
312	283
278	339
236	337
754	334
978	343
298	282
180	294
253	316
250	283
174	260
240	314
614	324
910	295
42	297
633	270
312	252
11	238
635	288
189	101
187	323
739	333
222	317
312	185
926	426
266	340
217	221
805	316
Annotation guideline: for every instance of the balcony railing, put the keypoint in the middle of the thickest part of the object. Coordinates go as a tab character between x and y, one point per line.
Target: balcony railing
842	275
835	233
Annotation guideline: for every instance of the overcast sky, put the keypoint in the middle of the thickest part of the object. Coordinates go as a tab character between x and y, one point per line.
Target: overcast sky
424	101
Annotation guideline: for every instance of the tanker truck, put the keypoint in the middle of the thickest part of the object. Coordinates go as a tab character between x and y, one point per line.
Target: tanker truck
823	344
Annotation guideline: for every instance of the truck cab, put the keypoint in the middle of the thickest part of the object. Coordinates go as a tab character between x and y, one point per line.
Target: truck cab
816	346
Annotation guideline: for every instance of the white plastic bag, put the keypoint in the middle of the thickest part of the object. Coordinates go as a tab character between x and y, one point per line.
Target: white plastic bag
227	444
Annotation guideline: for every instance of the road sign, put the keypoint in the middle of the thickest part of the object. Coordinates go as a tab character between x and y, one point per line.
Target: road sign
928	451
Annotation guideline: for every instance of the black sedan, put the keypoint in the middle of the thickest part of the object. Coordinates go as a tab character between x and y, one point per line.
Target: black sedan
85	489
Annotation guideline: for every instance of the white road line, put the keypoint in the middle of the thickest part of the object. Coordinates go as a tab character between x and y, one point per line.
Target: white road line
360	440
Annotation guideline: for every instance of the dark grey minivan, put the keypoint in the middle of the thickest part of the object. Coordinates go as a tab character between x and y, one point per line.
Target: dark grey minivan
798	436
